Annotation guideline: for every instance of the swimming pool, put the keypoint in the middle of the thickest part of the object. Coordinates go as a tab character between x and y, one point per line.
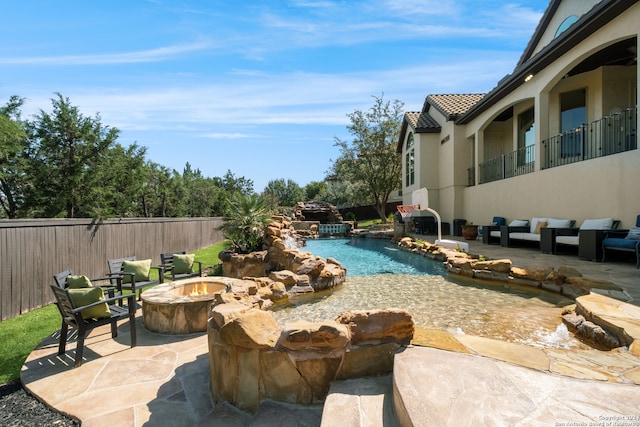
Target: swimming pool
379	276
368	257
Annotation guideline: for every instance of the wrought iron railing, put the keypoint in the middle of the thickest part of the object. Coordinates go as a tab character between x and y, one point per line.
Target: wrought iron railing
508	165
613	134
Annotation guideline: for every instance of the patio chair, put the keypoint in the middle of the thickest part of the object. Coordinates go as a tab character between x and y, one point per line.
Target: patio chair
623	240
134	273
180	265
66	277
91	315
491	233
587	239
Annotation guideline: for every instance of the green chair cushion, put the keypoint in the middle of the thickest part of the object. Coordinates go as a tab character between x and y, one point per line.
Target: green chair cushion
183	263
86	296
76	282
139	268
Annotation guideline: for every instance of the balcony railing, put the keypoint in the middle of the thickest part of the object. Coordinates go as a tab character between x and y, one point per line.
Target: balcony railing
613	134
507	165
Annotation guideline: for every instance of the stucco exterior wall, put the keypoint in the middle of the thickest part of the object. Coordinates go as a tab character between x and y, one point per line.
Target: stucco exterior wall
598	188
602	187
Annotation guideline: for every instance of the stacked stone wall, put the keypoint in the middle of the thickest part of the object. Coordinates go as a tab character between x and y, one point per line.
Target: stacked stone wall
252	358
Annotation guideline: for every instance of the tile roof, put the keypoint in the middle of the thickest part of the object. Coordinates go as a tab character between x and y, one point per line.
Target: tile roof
422	122
454	105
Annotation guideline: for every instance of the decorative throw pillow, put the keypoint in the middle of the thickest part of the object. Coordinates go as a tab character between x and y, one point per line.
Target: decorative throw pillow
519	223
86	296
539	226
634	233
183	263
76	282
139	268
534	223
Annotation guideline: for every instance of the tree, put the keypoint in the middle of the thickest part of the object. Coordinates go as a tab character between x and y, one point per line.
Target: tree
13	142
122	173
281	193
203	196
69	151
316	190
370	161
244	222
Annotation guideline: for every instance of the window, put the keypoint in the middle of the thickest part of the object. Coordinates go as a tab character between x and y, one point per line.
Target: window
410	161
565	24
573	115
526	137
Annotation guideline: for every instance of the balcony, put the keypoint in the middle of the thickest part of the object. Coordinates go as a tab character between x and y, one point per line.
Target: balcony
613	134
507	165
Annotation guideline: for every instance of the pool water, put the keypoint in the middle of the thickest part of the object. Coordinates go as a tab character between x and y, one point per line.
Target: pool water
379	276
368	257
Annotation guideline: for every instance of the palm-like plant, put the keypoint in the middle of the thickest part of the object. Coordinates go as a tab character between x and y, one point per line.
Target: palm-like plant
244	223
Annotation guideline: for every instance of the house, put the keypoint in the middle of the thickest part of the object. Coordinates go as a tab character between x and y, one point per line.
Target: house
555	138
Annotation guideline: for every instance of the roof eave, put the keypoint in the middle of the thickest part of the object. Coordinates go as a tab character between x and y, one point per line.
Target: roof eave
592	21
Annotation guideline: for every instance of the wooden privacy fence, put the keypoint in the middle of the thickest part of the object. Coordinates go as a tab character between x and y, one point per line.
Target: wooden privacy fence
32	251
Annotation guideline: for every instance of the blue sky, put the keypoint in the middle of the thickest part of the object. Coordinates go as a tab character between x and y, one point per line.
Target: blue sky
260	88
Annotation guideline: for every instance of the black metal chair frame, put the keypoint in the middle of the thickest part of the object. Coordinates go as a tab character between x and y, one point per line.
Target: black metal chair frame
115	271
72	318
109	287
166	262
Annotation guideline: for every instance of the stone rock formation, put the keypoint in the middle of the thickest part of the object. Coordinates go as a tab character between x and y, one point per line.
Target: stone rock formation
323	212
297	270
252	359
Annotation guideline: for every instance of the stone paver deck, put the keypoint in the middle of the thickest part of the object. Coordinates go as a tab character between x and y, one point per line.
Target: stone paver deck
165	381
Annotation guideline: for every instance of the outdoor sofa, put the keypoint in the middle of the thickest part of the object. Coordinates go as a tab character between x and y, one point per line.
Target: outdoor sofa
530	232
587	239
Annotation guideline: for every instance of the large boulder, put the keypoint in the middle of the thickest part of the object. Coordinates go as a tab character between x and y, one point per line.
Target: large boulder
326	337
254	329
378	326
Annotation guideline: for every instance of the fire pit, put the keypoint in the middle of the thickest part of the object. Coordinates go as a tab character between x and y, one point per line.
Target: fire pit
181	307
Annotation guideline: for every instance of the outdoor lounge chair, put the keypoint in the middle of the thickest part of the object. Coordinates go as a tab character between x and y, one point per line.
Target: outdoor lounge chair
72	317
133	273
623	240
182	269
491	233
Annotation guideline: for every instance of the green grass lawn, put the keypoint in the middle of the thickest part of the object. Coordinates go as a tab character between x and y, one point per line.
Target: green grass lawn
21	334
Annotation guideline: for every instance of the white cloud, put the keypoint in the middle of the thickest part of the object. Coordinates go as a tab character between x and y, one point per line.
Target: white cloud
151	55
221	135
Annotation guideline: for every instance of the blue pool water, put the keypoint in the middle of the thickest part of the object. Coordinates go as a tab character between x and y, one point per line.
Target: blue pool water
368	257
380	275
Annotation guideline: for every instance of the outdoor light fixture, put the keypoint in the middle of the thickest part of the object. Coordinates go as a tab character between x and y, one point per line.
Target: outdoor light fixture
529	77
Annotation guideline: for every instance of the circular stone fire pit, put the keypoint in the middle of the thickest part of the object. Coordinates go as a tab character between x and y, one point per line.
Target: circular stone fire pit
181	307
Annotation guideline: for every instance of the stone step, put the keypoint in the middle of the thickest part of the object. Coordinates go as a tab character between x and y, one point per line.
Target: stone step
434	387
360	402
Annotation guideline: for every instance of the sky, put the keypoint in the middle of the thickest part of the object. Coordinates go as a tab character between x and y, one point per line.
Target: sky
258	88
